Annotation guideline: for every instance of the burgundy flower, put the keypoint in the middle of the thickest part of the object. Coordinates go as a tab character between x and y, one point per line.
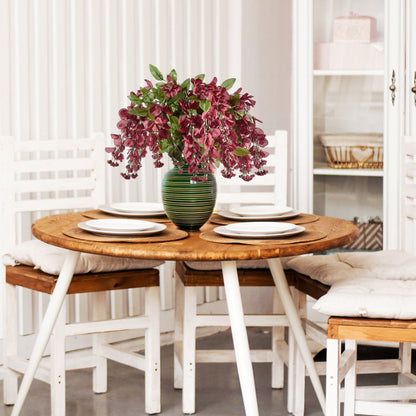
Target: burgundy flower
155	109
171	89
149	85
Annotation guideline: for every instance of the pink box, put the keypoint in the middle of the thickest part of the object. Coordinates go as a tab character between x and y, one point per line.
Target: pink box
348	56
355	28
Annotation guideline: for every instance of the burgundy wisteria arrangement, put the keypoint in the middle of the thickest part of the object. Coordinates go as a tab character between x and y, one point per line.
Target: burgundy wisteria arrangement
197	124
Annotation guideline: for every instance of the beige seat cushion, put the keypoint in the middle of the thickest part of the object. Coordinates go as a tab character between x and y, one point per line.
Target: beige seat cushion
50	259
370	298
329	269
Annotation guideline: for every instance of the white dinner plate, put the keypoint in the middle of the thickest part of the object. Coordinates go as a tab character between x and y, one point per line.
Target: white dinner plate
108	210
227	233
119	224
157	228
138	207
231	216
260	210
259	227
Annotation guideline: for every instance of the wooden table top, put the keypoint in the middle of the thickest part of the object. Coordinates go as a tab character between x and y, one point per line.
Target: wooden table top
49	229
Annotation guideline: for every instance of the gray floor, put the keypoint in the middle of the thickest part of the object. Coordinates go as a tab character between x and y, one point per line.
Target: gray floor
218	391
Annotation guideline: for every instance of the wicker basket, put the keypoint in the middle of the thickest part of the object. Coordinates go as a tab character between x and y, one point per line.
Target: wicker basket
354	151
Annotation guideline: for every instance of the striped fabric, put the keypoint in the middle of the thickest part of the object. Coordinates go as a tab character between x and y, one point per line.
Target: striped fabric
371	235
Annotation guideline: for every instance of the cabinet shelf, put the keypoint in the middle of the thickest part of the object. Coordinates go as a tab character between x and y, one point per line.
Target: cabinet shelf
345	72
323	169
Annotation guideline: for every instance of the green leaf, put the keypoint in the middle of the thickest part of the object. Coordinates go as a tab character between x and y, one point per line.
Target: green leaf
174	75
136	111
240	151
159	95
155	72
146	94
186	84
173	122
135	99
174	100
200	76
228	83
165	146
205	105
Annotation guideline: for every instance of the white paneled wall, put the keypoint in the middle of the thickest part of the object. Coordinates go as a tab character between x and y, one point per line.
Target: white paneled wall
68	67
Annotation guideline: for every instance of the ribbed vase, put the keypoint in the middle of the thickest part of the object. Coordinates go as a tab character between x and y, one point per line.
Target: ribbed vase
188	203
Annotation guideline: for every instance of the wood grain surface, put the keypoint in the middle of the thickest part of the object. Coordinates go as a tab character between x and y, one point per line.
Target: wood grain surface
49	229
390	330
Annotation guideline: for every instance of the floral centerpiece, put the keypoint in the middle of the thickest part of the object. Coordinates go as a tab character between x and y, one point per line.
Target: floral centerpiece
197	124
200	126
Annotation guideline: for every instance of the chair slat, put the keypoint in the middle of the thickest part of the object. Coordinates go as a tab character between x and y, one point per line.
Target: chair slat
50	185
55	145
54	165
56	203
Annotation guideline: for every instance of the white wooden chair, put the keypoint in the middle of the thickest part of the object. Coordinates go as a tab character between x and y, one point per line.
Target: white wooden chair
268	189
343	367
68	174
377	400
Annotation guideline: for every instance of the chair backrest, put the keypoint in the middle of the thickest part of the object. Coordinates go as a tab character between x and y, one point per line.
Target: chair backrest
409	194
267	189
48	176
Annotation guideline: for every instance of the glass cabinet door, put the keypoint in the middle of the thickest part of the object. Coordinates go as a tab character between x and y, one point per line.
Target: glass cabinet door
348	108
348	112
352	102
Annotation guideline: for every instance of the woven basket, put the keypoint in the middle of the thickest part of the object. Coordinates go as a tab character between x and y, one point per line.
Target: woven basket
353	151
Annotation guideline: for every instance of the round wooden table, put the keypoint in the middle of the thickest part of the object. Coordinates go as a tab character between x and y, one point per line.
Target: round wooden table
337	233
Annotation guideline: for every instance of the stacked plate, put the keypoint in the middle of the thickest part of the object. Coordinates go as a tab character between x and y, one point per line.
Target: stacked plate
258	229
259	212
119	226
134	209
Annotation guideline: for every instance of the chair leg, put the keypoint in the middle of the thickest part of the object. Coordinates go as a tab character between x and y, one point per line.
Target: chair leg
405	356
99	372
45	330
10	378
178	334
57	372
333	351
350	379
278	334
296	366
152	350
299	387
291	372
188	349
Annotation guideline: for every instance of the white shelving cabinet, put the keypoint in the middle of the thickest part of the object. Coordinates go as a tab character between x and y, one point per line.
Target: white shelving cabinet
359	100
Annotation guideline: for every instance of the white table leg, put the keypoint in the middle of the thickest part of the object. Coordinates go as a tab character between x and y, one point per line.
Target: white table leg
47	325
280	281
240	340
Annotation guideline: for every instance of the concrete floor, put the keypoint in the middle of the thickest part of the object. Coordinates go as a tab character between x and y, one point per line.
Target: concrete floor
218	390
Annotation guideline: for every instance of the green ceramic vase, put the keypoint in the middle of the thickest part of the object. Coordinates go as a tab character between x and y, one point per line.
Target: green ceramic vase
188	203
